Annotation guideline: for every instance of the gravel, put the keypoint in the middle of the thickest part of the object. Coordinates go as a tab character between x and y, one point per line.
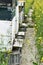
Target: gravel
29	49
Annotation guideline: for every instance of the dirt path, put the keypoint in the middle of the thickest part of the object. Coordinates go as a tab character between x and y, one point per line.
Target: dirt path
29	49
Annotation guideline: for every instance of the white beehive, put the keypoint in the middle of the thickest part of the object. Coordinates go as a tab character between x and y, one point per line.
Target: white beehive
21	2
5	35
20	11
7	24
21	16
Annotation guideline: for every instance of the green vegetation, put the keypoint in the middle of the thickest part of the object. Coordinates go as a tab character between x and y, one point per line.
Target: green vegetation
28	5
4	57
38	19
37	6
34	63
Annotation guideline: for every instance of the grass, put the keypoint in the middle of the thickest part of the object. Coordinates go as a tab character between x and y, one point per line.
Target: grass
38	18
28	5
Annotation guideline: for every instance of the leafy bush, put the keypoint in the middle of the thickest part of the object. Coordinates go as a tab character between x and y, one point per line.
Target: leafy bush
4	57
28	5
38	18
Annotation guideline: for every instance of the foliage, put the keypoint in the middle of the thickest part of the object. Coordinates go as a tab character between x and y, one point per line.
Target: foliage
38	18
28	5
34	63
4	57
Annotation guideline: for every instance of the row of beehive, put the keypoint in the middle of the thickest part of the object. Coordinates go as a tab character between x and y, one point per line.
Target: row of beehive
10	27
